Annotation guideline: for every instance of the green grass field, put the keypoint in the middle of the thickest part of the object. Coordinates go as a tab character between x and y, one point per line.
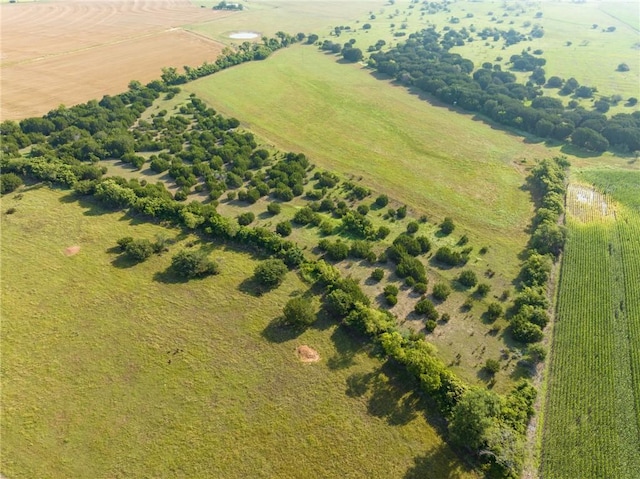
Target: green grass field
118	371
344	119
592	425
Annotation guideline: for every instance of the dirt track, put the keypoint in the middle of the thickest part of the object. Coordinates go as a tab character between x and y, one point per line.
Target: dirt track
69	52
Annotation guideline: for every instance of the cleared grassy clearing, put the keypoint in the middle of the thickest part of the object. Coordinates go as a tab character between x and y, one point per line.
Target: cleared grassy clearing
118	371
344	119
623	186
592	427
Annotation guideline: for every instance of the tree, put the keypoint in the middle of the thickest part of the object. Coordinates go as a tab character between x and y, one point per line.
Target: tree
193	264
246	218
9	182
447	226
467	278
138	250
299	312
473	417
271	272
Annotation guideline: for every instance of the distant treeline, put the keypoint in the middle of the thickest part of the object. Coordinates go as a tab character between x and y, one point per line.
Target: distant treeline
425	62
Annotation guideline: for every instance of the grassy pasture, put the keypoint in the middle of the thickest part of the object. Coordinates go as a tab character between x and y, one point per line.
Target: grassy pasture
434	160
118	371
592	427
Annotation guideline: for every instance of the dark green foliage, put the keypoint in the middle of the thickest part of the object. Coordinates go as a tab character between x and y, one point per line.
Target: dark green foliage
447	226
524	331
401	212
467	278
9	182
382	232
271	272
377	274
123	242
441	291
420	288
494	311
426	307
362	209
430	325
138	250
412	227
449	256
336	250
537	353
193	264
473	417
482	290
246	218
304	216
357	225
299	312
283	228
391	299
492	366
536	270
382	201
411	267
391	289
274	208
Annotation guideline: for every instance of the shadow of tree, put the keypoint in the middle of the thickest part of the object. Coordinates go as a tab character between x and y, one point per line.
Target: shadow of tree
438	462
279	332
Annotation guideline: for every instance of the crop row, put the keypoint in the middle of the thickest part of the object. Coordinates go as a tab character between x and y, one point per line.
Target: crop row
591	428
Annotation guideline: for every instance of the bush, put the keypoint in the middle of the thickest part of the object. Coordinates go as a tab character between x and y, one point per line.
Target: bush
9	182
391	299
382	201
246	218
271	272
138	250
445	318
537	353
192	264
447	226
467	278
411	267
336	251
420	288
448	256
494	311
426	307
299	312
377	274
304	216
391	289
430	325
283	228
483	289
441	291
401	212
383	232
412	227
492	366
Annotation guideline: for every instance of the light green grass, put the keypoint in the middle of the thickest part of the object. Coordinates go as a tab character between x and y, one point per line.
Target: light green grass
108	372
623	186
436	161
592	427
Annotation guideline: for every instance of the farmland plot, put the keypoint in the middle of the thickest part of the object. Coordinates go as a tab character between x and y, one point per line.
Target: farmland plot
592	425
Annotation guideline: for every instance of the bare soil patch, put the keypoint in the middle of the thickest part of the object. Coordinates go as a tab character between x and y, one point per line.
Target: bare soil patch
307	354
71	250
69	52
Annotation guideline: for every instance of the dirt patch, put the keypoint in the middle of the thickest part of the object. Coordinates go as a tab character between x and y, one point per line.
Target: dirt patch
307	354
587	204
71	250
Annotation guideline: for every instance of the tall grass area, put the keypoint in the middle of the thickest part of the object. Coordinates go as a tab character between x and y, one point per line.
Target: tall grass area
592	423
438	162
623	186
117	370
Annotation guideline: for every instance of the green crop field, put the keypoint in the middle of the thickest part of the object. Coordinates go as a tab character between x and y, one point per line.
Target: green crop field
592	422
117	371
344	119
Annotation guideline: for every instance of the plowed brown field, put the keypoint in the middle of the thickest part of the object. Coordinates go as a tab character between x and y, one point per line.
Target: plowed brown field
67	52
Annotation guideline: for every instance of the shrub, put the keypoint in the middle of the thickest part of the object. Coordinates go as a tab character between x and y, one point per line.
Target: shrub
401	212
336	251
377	274
192	264
304	216
246	218
362	209
467	278
441	291
138	250
445	318
537	353
411	267
391	289
123	242
9	182
420	288
492	366
383	232
283	228
430	325
483	289
447	226
524	331
426	307
494	311
299	312
391	299
448	256
271	272
412	227
382	201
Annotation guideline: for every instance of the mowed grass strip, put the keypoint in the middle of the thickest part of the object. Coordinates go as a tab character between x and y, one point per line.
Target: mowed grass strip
437	161
111	370
591	424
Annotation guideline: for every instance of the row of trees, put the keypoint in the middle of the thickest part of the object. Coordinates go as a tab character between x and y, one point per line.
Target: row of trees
424	61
